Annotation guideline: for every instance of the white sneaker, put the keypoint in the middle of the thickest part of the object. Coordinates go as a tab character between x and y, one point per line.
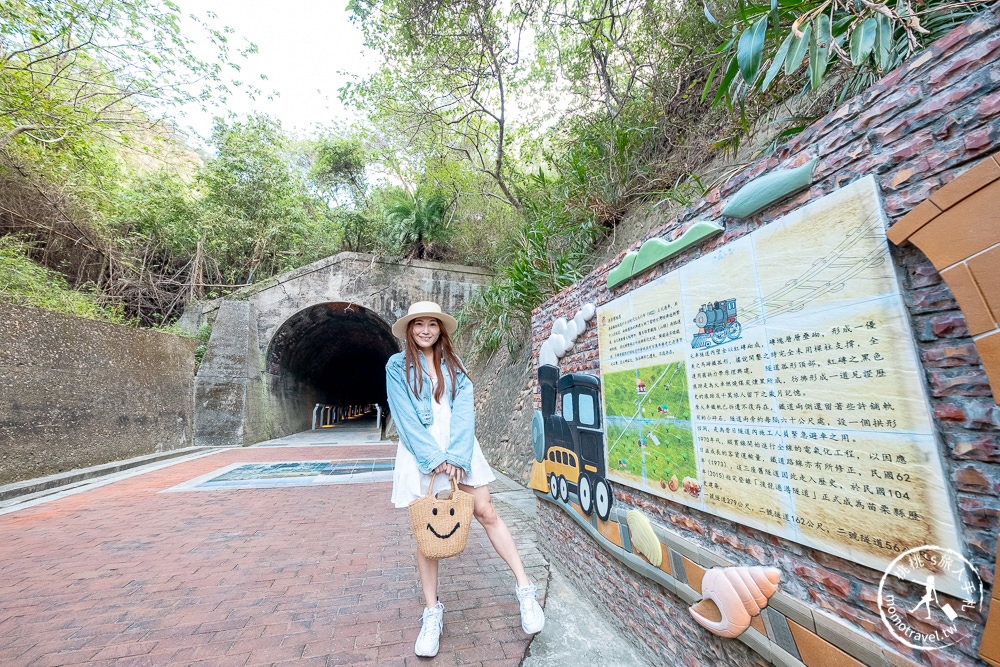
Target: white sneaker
430	632
532	616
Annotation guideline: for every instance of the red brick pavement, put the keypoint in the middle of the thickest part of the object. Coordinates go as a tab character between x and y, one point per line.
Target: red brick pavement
123	575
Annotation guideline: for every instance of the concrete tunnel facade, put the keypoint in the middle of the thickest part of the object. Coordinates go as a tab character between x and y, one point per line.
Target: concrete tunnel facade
319	334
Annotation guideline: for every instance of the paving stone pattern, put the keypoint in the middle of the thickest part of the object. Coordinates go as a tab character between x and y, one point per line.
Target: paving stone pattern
125	575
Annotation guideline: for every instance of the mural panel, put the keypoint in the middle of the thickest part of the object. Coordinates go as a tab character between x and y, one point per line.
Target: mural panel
775	382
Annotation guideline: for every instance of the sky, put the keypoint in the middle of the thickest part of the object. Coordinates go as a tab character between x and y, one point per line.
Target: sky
302	45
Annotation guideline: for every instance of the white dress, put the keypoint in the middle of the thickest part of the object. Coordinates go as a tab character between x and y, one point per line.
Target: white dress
408	483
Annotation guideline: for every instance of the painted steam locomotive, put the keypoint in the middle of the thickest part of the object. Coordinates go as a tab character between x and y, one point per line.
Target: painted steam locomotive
716	322
570	443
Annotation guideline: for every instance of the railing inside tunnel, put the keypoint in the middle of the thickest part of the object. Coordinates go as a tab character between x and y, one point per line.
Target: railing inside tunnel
321	416
325	416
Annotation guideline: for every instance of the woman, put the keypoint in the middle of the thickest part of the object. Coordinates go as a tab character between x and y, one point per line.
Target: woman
430	400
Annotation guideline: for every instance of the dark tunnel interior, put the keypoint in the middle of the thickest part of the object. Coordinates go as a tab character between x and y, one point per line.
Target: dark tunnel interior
334	352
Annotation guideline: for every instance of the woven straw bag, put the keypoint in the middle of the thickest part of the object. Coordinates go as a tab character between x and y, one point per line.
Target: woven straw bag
441	525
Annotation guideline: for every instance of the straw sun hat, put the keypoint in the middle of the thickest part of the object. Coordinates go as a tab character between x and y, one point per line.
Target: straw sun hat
424	309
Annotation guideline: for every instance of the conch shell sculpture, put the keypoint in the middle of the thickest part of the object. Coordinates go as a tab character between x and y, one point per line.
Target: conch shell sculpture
731	596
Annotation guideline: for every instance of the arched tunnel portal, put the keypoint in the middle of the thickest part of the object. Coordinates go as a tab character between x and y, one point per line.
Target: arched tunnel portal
330	353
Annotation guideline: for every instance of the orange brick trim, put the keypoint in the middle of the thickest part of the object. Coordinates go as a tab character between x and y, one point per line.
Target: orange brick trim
958	228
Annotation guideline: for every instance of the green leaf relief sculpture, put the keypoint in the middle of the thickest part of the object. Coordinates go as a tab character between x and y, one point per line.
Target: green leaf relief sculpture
656	250
623	271
768	189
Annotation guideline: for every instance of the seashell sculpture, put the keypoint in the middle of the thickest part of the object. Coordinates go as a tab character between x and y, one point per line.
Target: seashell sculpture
644	540
731	596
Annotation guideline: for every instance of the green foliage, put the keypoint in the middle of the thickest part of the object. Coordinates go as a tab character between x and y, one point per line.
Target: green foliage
461	102
26	283
73	69
161	205
764	46
621	55
446	81
246	214
413	222
257	212
687	189
531	129
479	223
600	173
339	168
550	253
481	230
204	334
79	144
358	232
606	169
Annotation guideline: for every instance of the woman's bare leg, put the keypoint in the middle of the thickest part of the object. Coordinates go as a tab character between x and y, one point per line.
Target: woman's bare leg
497	531
428	570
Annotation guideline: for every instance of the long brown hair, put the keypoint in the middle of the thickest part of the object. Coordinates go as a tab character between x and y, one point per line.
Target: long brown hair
442	350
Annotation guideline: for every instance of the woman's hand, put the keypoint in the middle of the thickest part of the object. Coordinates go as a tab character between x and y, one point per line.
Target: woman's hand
453	471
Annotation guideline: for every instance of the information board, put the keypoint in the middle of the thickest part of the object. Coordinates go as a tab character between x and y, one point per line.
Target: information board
775	382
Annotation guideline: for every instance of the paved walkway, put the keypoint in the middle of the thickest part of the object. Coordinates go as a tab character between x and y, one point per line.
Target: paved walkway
127	573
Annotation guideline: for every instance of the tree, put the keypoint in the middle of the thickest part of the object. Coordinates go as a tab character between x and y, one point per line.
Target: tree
258	212
245	215
417	220
447	76
358	232
72	68
339	169
605	50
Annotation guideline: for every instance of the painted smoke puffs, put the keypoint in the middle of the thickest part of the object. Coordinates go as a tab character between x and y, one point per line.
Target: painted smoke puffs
564	335
731	596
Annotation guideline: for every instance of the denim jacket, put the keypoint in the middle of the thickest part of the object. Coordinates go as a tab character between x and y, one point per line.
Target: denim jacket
413	414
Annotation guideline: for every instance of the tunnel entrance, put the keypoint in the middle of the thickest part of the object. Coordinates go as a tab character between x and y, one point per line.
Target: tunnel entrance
331	353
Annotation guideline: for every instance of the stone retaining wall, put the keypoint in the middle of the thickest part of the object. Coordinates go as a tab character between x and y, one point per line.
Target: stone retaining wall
504	405
76	393
228	396
916	130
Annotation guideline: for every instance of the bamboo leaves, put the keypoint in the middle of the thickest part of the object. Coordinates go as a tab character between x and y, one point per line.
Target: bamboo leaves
750	49
779	58
776	37
863	41
708	15
883	32
727	79
819	51
797	49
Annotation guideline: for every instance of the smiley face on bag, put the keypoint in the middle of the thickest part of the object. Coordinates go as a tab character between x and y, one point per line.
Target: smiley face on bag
446	516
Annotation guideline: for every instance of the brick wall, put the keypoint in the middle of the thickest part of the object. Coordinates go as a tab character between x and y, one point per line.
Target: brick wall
638	606
916	130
